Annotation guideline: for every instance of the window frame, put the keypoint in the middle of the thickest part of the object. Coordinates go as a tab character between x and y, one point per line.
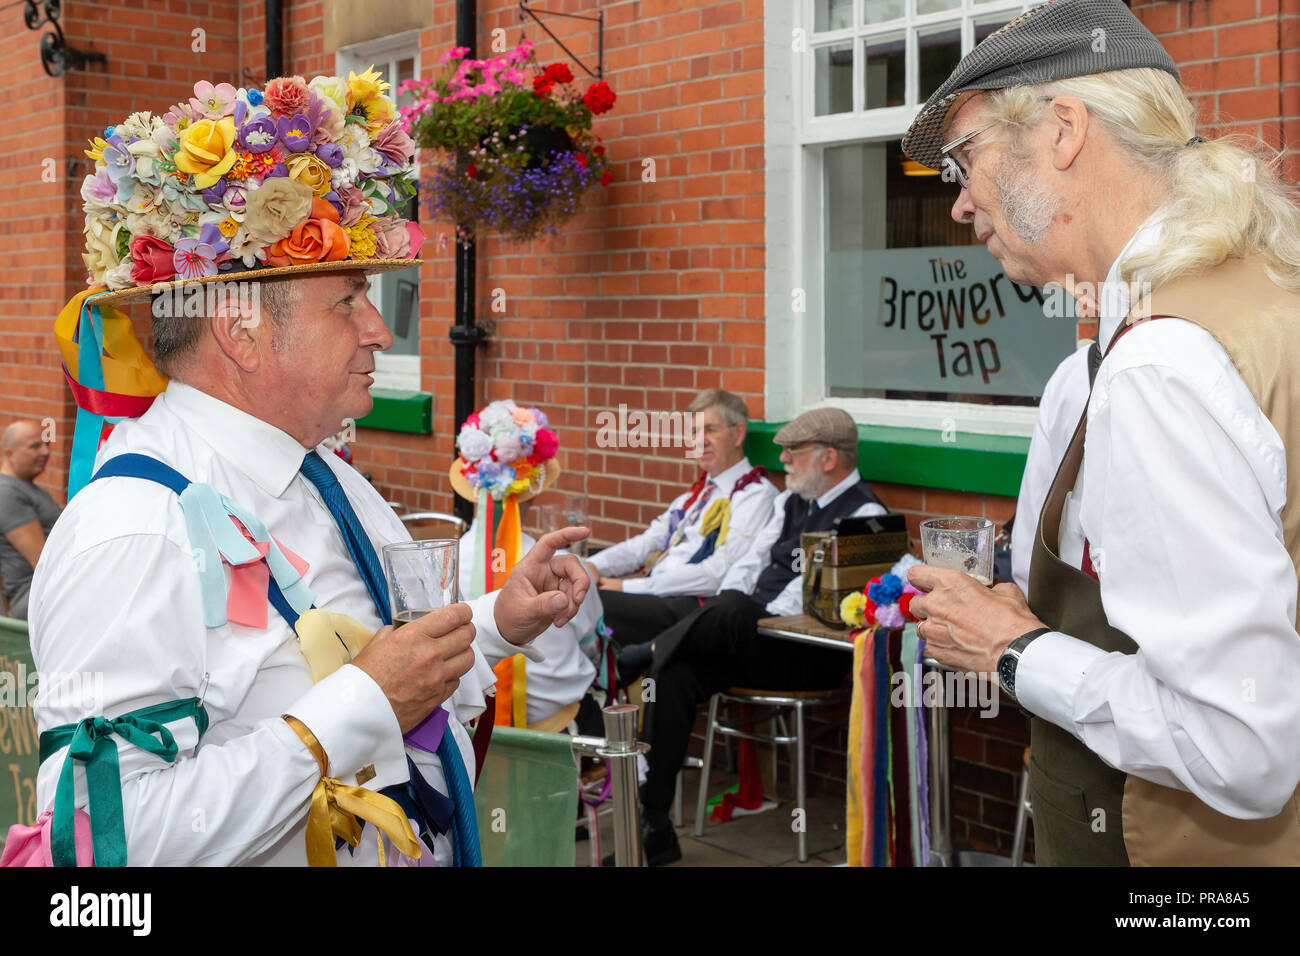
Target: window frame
395	373
796	141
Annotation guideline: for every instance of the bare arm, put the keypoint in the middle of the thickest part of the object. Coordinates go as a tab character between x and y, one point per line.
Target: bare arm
29	539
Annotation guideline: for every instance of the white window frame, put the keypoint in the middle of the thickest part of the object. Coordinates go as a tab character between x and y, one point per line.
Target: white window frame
398	372
796	141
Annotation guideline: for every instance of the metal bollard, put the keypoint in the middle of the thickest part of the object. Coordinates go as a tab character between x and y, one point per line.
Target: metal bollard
619	749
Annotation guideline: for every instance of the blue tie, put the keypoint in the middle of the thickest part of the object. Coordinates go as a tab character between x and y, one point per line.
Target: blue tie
363	555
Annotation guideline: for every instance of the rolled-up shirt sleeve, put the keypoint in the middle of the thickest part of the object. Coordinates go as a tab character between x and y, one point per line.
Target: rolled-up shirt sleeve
749	510
1193	567
630	556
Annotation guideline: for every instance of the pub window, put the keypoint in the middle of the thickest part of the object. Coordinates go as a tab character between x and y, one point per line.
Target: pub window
910	308
395	294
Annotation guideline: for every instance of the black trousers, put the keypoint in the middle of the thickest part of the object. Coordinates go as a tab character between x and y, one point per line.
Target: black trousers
637	618
717	648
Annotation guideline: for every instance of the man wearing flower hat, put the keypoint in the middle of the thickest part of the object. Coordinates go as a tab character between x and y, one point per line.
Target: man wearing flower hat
1158	650
217	568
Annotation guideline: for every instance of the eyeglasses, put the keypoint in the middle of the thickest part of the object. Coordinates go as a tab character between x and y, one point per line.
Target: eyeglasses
800	447
952	169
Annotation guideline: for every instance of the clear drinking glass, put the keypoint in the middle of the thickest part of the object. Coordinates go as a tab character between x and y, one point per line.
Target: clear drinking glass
572	513
422	577
962	544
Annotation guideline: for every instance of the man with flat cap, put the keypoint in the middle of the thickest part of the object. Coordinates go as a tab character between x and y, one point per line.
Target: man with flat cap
1157	651
718	645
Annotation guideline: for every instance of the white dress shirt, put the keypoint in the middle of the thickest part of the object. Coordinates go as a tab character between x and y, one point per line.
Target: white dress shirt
1180	497
1064	396
564	673
673	574
743	575
116	593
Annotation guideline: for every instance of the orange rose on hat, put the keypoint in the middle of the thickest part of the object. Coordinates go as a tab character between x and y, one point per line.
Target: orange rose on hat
319	239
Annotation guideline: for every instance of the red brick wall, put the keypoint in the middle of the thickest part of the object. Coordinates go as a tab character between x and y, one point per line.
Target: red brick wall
655	293
1243	59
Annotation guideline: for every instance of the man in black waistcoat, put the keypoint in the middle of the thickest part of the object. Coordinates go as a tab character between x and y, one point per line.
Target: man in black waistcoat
717	646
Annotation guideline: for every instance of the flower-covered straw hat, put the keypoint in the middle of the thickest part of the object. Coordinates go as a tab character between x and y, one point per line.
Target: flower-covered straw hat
243	183
230	184
505	451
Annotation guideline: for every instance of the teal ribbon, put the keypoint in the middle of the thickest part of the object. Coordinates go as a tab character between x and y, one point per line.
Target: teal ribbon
90	370
90	742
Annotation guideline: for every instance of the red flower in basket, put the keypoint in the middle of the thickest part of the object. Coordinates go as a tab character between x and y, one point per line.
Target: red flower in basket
599	98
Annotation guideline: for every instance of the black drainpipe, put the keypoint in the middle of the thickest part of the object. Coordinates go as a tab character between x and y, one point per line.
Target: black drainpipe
465	335
274	39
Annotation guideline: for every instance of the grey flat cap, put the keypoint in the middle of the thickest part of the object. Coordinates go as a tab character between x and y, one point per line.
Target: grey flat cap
830	426
1052	41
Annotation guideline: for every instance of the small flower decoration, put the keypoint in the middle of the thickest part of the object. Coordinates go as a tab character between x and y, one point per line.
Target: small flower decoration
504	448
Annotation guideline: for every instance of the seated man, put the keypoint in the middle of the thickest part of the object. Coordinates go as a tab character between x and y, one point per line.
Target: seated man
717	646
27	511
689	549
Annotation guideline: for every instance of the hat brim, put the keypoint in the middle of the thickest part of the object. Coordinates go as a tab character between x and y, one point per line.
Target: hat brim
367	266
462	487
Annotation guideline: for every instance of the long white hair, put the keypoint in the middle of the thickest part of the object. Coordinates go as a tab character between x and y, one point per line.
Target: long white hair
1224	197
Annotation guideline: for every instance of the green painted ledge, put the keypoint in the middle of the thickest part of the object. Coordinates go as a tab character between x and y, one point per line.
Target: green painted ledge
399	411
987	464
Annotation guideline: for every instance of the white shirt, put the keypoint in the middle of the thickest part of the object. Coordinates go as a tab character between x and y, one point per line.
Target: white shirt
1064	396
673	574
565	672
116	593
743	575
1180	496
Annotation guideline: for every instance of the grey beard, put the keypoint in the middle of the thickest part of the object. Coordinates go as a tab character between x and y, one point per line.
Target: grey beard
1027	206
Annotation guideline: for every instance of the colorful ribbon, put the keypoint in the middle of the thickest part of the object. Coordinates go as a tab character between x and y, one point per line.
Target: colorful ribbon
89	741
337	810
106	388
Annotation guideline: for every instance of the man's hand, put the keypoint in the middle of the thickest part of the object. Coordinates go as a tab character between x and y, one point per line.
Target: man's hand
419	665
610	584
543	588
964	624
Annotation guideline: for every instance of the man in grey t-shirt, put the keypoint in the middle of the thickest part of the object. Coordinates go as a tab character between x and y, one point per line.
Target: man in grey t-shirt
27	513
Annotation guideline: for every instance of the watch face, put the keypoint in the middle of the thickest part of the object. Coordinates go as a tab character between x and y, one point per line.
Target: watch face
1007	673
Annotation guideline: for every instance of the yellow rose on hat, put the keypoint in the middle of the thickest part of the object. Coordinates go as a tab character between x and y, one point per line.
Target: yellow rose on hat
206	151
101	247
313	173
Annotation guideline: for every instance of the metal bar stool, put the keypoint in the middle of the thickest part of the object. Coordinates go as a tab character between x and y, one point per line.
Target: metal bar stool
779	701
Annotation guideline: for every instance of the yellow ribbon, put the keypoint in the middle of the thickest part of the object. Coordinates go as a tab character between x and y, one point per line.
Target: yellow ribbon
329	640
718	516
128	370
336	807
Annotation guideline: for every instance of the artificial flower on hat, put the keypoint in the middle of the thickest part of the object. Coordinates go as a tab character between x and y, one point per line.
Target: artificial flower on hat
505	450
303	174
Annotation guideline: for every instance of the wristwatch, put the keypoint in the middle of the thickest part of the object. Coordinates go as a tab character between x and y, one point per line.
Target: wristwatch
1011	657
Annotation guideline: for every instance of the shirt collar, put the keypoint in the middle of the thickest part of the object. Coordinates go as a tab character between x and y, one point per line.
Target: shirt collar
727	479
849	481
1114	303
268	456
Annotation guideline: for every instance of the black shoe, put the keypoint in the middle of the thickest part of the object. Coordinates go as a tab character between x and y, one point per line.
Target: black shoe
658	844
634	660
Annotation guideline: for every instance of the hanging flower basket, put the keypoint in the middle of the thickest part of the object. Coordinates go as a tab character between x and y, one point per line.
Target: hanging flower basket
516	154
